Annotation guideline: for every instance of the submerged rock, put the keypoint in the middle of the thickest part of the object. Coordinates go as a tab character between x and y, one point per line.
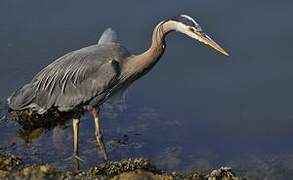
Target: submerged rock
11	167
35	172
225	173
8	163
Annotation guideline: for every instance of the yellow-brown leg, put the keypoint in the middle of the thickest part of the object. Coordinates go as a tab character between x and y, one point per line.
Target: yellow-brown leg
75	128
98	133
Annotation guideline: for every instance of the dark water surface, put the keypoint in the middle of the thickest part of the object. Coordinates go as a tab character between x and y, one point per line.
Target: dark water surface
195	110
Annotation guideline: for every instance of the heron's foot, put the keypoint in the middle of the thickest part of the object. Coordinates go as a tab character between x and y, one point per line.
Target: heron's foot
74	156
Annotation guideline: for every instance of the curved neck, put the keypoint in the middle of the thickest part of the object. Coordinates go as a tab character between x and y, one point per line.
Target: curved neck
158	38
146	60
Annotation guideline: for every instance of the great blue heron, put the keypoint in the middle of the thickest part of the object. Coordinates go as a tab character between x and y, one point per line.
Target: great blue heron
84	79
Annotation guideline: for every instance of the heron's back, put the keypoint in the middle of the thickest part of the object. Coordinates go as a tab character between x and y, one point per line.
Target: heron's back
72	80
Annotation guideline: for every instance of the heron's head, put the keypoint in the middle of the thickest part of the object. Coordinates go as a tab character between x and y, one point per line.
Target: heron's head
188	26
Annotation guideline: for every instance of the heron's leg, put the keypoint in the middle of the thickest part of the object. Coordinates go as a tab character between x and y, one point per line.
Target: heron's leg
75	127
98	133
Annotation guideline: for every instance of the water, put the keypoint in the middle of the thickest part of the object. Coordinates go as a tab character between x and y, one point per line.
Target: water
195	110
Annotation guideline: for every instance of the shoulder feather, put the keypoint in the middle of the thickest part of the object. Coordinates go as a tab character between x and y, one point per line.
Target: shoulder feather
108	36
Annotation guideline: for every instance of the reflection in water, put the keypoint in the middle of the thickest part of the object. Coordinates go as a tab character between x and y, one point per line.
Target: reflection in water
29	135
130	133
58	139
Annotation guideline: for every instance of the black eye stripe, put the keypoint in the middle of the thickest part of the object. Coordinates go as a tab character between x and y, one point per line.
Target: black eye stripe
184	21
188	22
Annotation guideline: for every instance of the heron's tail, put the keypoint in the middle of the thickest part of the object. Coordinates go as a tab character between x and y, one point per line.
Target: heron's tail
21	98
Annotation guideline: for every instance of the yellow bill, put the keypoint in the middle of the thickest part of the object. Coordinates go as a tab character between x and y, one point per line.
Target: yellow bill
208	41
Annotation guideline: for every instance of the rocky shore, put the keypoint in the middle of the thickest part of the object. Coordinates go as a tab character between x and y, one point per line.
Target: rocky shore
12	167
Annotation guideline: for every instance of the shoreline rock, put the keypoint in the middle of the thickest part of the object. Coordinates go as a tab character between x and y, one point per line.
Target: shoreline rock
12	167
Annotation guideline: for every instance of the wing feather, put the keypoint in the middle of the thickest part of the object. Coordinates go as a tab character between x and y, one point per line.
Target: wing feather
71	74
73	79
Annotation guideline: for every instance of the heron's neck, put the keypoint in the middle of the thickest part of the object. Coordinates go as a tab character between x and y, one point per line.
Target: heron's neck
148	59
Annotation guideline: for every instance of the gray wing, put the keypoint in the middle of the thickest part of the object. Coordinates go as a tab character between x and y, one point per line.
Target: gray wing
108	36
71	80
